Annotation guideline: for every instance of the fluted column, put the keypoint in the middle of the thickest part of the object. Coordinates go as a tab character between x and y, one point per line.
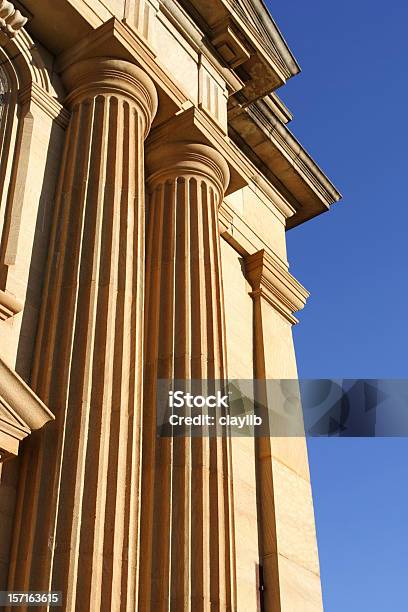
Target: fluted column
78	507
186	531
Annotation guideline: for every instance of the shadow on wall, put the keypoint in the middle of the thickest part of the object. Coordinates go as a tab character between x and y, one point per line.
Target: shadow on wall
39	254
9	471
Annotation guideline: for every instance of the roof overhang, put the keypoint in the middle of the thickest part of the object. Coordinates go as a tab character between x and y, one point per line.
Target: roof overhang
245	35
248	40
270	145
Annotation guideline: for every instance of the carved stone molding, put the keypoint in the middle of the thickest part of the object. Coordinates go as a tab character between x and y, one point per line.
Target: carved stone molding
11	20
270	280
227	42
9	306
141	15
249	42
269	144
29	78
21	411
226	219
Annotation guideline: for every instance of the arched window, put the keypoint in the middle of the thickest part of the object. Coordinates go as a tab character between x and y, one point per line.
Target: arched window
4	129
3	92
4	104
4	108
26	99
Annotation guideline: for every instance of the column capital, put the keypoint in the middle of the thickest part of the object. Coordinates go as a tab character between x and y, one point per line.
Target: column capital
111	77
171	161
272	281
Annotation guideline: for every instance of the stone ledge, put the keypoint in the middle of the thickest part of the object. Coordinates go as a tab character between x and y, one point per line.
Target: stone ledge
268	143
21	411
269	279
9	306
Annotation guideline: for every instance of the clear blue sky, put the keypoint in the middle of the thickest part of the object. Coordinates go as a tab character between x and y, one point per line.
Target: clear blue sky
350	105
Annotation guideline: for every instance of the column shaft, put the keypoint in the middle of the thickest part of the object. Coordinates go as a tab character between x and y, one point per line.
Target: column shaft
77	518
186	539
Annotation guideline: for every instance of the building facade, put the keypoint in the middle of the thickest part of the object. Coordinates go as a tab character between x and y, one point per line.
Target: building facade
147	179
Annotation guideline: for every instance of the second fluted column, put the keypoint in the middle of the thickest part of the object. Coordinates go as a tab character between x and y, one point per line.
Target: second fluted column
186	531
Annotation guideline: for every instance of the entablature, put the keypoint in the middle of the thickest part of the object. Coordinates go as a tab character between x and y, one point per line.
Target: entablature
249	41
234	60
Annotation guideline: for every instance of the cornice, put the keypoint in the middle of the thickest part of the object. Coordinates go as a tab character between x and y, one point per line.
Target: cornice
273	282
198	40
275	104
269	143
21	411
296	152
252	175
249	41
258	19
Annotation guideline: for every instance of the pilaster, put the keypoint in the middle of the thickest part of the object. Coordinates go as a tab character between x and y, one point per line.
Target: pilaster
287	538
